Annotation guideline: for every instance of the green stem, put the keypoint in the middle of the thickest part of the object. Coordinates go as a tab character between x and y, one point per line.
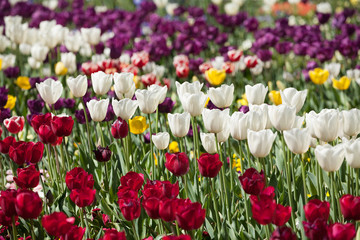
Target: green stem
86	223
106	177
195	156
333	204
303	177
134	230
357	181
151	150
101	134
32	229
184	179
218	225
87	124
14	232
157	120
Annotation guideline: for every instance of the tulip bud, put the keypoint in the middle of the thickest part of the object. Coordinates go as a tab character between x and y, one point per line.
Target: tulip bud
102	154
83	197
27	177
132	180
130	208
316	209
294	98
101	82
283	233
263	209
119	129
125	108
148	100
77	178
330	158
282	117
78	86
123	82
98	109
50	90
260	143
297	140
351	122
189	215
341	231
208	141
14	124
222	96
209	165
57	224
179	124
256	94
349	206
177	163
7	202
215	119
62	125
113	234
252	181
161	140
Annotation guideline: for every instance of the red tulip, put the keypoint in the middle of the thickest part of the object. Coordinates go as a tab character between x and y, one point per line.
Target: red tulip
57	224
182	71
209	165
283	233
268	192
5	220
62	126
77	178
83	197
42	119
14	124
282	214
151	207
58	142
316	209
132	180
102	154
177	163
167	209
180	237
130	208
338	231
119	129
6	143
37	151
27	177
234	55
126	192
46	135
7	202
252	181
140	59
148	79
251	61
28	204
263	209
350	207
112	234
75	233
29	152
315	230
170	190
190	215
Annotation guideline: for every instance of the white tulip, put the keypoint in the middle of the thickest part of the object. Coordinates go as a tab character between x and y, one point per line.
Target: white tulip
231	8
352	153
85	50
188	87
124	108
262	108
334	70
325	125
298	140
282	117
293	97
260	143
39	52
148	100
161	140
216	2
256	120
223	136
218	62
351	122
179	124
239	125
354	74
256	94
161	90
223	96
69	60
209	142
73	41
98	109
78	86
50	90
4	43
123	82
257	70
324	7
24	48
194	103
215	119
33	63
170	7
91	35
299	121
101	82
160	3
330	158
8	60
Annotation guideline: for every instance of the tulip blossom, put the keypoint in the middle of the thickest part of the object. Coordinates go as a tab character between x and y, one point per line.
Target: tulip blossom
62	125
133	180
294	98
256	94
349	206
26	152
208	142
28	204
50	90
215	77
123	82
222	96
282	117
193	103
7	202
260	143
316	209
209	165
161	140
113	234
177	163
179	124
215	119
148	100
27	177
341	231
57	224
101	82
78	86
319	76
119	129
138	125
130	208
98	109
167	209
75	233
187	87
14	124
190	215
238	126
263	209
341	84
180	60
102	154
283	233
324	125
124	108
330	158
234	55
77	178
140	59
352	153
256	120
297	140
6	143
252	181
315	230
275	97
351	122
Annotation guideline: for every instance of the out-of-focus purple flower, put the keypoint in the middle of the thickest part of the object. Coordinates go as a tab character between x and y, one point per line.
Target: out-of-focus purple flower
195	12
191	132
323	17
179	10
80	117
99	48
251	24
211	106
348	48
221	39
166	106
147	137
69	103
148	6
3	96
349	12
59	104
63	49
4	113
109	114
194	64
264	55
212	9
283	47
35	105
339	19
34	80
311	65
244	109
12	72
300	48
62	4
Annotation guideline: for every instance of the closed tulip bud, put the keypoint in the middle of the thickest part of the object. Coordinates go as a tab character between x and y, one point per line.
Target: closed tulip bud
50	90
57	224
256	94
256	120
62	125
75	233
83	197
215	119
78	86
179	124
351	122
125	108
101	82
282	214
177	163
283	233
111	234
208	142
222	96
316	209
14	124
209	165
341	231
119	129
7	202
167	209
252	181
148	100
98	109
193	103
282	117
350	207
188	87
130	208
27	177
260	143
190	216
330	158
293	97
123	82
46	135
161	140
28	204
352	153
262	108
160	90
102	154
297	140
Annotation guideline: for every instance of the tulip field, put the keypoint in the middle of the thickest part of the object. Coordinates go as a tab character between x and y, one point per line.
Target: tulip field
179	120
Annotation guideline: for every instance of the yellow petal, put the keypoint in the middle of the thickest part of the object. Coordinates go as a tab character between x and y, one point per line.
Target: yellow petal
319	76
10	102
275	97
23	82
342	84
215	77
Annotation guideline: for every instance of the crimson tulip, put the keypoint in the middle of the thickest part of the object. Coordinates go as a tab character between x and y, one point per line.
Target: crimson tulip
130	208
29	152
15	124
27	177
170	190
38	120
112	234
102	154
167	209
28	204
132	180
177	163
209	165
77	178
252	181
151	207
180	237
7	202
5	220
75	233
350	207
263	209
46	135
126	192
6	143
190	215
283	233
315	230
338	231
119	129
316	209
83	197
62	126
282	214
57	224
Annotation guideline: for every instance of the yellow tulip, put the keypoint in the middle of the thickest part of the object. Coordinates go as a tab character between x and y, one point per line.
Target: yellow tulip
342	84
215	77
275	97
60	69
10	102
0	63
173	147
138	125
243	101
319	76
23	82
137	81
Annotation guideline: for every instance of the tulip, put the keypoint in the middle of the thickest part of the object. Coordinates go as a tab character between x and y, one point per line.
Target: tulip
123	82
222	96
215	119
151	207
252	181
315	230
148	100
190	216
83	197
324	125
39	52
170	191
62	125
140	59
50	90
124	108
69	61
260	143
319	76
351	122
75	233
179	124
193	103
177	163
126	192
132	180
297	140
339	231
182	71
119	129
215	77
111	234
102	154
167	208
223	136
349	206
209	142
180	237
7	202
262	108
91	35
27	177
160	90
180	60
251	62
323	7
46	134
130	208
256	94
209	165
341	84
57	224
161	140
330	158
352	153
282	214
78	86
316	209
239	126
263	209
294	98
77	178
29	152
283	233
275	97
101	82
98	109
14	124
6	143
282	117
28	204
186	87
256	120
5	220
